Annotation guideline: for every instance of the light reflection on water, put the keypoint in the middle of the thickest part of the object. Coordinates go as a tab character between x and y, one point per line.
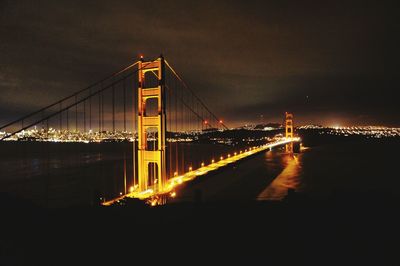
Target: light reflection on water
289	178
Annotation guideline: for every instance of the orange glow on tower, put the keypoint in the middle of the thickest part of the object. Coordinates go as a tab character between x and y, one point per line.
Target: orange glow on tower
151	163
289	131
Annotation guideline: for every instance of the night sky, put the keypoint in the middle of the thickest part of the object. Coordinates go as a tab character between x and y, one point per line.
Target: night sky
330	63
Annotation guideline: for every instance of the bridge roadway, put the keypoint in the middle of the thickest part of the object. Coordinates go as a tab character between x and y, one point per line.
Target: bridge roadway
188	176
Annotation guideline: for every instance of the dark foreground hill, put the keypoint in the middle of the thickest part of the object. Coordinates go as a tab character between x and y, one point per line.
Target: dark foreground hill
342	230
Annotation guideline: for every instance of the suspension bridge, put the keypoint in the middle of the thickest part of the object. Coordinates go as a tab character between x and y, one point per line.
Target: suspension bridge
149	105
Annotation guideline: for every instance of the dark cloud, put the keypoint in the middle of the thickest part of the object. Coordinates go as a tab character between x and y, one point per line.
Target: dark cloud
326	61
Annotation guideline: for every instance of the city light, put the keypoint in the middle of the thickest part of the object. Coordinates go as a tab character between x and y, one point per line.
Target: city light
361	131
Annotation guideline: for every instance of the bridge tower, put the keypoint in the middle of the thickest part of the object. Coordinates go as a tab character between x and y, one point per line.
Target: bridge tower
151	155
289	131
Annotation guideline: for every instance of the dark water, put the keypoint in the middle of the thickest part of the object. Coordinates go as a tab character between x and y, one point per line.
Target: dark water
55	175
351	168
78	174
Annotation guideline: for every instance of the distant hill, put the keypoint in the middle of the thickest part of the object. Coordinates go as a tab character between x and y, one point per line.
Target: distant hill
269	126
210	129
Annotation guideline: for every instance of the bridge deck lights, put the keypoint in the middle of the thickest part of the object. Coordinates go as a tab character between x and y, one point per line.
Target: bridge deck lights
177	180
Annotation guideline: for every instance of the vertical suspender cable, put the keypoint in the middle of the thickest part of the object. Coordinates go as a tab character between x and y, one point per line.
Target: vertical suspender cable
60	116
76	113
176	128
113	108
99	115
134	115
84	116
124	88
90	110
169	126
102	111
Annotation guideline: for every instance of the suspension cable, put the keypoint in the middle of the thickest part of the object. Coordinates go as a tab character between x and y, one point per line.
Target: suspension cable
188	88
74	104
70	96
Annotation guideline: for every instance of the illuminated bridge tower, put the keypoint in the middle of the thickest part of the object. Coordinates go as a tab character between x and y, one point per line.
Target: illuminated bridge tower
151	153
289	131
